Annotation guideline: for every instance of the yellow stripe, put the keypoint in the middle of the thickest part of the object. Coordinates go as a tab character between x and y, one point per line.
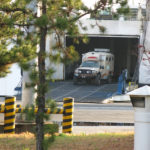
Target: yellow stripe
2	111
9	121
61	112
67	104
67	123
2	105
2	108
55	110
68	117
69	110
10	100
48	111
67	98
9	127
35	110
9	114
67	130
10	107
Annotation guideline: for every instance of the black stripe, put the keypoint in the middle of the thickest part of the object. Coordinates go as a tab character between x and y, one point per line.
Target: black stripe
68	101
9	110
68	107
52	112
10	103
67	114
67	120
9	131
45	110
67	127
19	110
9	124
58	111
9	117
18	106
9	97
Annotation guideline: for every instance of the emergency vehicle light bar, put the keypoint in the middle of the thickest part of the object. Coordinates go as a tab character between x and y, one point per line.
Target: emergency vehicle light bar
101	50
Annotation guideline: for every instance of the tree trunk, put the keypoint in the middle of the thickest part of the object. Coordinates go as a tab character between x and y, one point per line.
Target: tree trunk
41	86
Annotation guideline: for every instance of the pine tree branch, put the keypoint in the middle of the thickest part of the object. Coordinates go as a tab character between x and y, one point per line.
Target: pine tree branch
99	6
16	24
9	10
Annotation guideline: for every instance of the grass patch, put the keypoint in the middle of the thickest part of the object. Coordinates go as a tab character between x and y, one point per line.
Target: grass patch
106	141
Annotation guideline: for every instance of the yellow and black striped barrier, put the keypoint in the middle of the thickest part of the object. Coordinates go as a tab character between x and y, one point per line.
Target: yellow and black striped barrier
2	107
21	110
10	109
9	115
68	115
47	110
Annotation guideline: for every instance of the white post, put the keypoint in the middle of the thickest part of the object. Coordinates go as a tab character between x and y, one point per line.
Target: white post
140	99
142	128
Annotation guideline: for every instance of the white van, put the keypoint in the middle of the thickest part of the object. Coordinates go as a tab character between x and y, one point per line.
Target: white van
96	66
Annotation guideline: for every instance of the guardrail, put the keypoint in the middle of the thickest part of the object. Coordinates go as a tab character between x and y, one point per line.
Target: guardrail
10	109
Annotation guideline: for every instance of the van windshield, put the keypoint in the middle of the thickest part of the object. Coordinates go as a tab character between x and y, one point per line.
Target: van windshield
92	64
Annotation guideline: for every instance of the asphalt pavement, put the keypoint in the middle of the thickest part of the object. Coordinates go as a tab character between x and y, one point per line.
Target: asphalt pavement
83	93
119	113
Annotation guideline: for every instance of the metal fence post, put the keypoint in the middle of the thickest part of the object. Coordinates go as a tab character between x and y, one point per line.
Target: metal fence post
67	115
9	115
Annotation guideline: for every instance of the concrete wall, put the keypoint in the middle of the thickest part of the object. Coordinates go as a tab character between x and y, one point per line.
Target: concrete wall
113	27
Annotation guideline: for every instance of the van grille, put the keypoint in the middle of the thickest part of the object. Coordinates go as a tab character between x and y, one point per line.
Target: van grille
85	71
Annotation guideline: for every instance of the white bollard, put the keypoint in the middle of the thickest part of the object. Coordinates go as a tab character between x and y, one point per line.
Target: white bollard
140	99
142	131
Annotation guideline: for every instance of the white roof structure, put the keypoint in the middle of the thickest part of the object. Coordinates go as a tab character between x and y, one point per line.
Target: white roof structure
143	91
113	28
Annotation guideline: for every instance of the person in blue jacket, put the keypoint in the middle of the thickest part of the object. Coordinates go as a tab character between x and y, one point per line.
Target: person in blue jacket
124	78
122	82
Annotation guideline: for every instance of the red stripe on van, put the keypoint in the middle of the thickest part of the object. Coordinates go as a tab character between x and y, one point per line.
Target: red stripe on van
93	57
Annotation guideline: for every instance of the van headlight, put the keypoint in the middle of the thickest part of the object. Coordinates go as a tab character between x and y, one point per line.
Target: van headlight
77	71
88	71
94	71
